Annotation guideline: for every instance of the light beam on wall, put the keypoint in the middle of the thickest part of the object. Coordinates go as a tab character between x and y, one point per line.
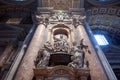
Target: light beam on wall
101	40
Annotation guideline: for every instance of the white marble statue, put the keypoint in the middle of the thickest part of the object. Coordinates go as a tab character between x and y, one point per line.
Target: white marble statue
45	54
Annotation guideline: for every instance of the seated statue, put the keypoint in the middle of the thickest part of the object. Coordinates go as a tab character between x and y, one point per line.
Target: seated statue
77	58
44	55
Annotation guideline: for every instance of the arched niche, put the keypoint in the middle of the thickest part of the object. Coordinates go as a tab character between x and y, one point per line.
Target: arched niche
58	32
61	29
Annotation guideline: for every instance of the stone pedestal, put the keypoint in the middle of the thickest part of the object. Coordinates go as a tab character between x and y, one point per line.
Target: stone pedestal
49	72
25	71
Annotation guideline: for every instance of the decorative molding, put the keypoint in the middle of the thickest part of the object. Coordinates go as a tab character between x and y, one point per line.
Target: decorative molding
109	11
60	16
61	70
108	23
106	20
106	28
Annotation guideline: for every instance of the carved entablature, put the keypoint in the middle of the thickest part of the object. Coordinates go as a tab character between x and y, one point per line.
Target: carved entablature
73	16
60	16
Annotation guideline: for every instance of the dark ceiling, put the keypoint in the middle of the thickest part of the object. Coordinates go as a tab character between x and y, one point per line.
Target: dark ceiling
104	2
21	2
95	2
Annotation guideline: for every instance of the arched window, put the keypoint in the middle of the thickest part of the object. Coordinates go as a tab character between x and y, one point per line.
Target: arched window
101	40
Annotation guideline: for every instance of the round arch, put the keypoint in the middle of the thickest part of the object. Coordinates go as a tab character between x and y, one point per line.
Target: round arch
60	31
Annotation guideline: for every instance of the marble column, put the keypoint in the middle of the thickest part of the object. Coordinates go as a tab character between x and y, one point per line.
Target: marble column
25	71
96	70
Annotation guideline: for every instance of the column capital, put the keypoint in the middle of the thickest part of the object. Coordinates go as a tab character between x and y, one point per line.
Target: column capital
77	24
79	20
42	20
